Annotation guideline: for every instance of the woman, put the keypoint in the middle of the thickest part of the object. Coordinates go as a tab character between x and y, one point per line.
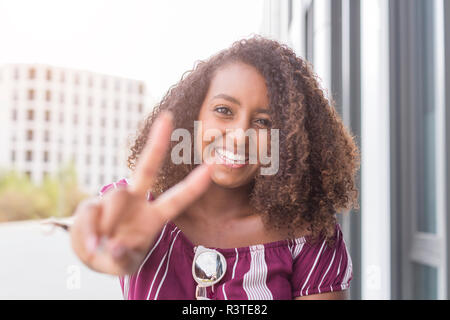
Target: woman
275	235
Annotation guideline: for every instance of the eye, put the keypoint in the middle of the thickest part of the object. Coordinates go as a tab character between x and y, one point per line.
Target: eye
263	122
223	110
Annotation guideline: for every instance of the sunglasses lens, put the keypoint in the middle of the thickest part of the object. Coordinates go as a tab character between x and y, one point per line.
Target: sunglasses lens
208	268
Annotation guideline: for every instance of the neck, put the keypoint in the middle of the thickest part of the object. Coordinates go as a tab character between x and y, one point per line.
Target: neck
221	204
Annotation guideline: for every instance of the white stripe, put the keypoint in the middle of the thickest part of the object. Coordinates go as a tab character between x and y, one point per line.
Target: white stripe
223	291
332	259
254	283
157	271
126	287
156	274
167	266
312	268
235	262
150	253
297	247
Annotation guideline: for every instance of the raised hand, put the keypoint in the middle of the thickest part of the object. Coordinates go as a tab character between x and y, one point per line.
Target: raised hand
112	234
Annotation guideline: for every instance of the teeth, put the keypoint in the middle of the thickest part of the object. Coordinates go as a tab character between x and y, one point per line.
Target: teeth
230	155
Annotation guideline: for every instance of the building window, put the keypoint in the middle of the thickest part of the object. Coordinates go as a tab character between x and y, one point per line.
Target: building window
61	98
117	86
105	84
62	77
30	114
47	115
88	140
29	155
46	136
75	100
32	73
29	135
13	155
88	159
76	79
89	121
48	95
49	75
101	160
116	123
46	157
14	114
16	74
140	108
30	94
103	122
89	101
141	88
90	82
75	119
61	117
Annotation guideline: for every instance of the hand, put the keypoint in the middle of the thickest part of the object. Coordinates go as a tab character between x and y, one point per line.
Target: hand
113	234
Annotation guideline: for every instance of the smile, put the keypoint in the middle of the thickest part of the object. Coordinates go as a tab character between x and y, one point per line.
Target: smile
230	159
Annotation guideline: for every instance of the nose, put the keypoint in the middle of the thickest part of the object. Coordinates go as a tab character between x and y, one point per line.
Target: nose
238	135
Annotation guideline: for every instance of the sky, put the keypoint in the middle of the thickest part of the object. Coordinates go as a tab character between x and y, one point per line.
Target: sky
149	40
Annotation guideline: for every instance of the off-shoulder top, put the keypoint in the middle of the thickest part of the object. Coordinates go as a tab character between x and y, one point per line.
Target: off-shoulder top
284	269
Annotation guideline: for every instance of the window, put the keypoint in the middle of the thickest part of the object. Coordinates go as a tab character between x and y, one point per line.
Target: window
61	98
141	88
16	74
46	136
47	115
61	117
48	95
45	156
14	114
105	84
75	119
62	77
88	159
30	94
32	73
29	135
75	99
30	114
140	108
13	156
48	75
29	155
76	79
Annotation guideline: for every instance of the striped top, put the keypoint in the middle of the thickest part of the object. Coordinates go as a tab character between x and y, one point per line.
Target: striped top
282	269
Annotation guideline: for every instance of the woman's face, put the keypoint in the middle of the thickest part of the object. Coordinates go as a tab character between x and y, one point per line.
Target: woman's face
236	101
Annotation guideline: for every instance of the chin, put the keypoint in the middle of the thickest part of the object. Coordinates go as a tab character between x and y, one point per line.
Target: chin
230	180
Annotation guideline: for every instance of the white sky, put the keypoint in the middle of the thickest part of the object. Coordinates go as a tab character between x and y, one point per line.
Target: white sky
151	40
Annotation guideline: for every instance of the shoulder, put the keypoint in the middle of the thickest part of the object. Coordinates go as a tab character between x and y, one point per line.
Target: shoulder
321	267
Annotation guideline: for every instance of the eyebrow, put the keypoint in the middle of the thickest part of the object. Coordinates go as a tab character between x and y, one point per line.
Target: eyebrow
227	97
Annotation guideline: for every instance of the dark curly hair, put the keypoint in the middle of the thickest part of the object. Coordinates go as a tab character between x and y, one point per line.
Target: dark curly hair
318	159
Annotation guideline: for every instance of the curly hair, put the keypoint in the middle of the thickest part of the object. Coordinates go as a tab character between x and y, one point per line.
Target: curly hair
319	158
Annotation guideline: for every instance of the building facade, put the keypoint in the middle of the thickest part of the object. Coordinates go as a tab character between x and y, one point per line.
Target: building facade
50	117
386	65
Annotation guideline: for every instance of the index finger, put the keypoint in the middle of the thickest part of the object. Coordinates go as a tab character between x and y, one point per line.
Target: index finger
153	154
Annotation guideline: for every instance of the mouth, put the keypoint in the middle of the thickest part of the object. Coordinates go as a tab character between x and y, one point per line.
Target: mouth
230	159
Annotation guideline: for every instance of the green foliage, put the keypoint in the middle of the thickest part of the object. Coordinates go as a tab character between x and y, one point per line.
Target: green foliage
57	196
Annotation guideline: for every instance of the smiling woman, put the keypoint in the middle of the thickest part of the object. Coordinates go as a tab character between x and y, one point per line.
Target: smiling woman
275	236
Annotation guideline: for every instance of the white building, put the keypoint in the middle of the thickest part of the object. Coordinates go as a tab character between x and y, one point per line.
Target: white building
50	116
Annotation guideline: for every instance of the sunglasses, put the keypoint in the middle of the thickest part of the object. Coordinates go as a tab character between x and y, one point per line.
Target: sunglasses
208	268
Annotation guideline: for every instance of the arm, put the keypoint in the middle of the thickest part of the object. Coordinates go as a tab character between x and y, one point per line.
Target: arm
336	295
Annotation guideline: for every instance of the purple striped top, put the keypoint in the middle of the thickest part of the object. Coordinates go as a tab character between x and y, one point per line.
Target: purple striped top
278	270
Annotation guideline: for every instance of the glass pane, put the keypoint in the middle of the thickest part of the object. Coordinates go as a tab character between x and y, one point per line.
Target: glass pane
426	220
425	282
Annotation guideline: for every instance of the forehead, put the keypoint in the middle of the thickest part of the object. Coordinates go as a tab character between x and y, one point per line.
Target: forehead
241	81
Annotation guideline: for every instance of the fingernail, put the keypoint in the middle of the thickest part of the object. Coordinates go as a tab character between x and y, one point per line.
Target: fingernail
91	244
